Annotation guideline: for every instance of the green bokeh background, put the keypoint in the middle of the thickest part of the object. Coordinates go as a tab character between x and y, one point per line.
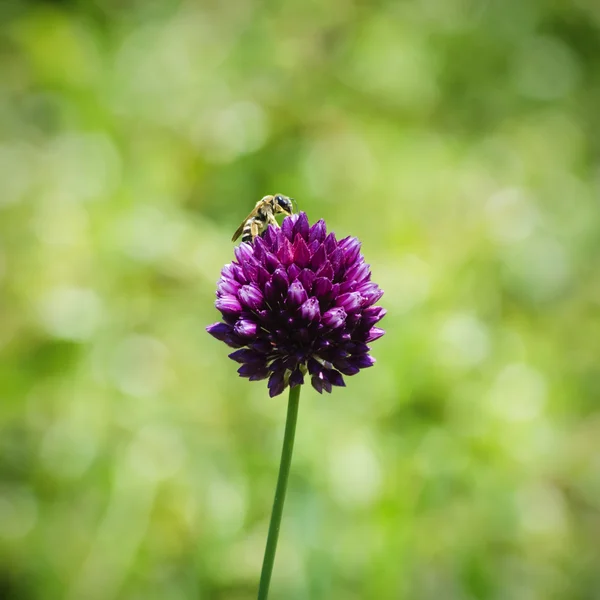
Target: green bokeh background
458	140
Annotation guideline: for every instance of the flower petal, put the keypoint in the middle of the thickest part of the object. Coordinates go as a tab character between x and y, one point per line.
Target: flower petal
321	287
362	361
243	252
336	378
351	250
350	302
307	278
293	271
284	253
251	297
330	243
317	383
246	356
334	318
301	226
296	295
296	378
219	330
358	273
246	328
280	281
319	257
227	286
372	315
276	383
310	310
317	231
262	276
228	305
301	252
375	334
254	371
287	228
271	262
325	270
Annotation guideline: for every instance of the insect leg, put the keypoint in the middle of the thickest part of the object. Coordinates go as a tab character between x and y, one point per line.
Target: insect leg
254	228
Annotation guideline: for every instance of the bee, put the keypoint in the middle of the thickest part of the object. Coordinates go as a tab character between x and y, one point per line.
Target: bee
262	216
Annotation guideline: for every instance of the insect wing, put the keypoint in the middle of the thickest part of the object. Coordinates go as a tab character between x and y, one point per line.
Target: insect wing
239	230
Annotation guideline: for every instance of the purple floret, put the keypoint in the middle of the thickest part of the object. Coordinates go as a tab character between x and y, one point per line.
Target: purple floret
298	302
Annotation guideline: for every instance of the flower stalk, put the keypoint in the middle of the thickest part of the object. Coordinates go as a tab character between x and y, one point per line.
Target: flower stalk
282	479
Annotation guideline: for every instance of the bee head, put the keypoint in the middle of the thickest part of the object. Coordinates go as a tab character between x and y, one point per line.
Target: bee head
283	204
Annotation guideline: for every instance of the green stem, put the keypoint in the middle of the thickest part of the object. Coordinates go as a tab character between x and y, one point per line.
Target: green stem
284	471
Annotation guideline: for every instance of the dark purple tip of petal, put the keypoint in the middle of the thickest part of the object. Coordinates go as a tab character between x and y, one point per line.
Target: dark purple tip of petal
259	248
287	228
271	262
317	383
357	348
270	236
313	366
326	383
285	253
293	271
321	287
234	341
262	276
330	243
290	362
345	367
325	270
301	252
307	278
228	305
245	328
336	378
219	330
317	232
310	310
262	346
259	374
319	257
276	384
296	378
335	258
271	293
301	226
255	371
296	295
276	365
362	361
245	356
238	273
251	297
375	334
334	317
350	302
280	281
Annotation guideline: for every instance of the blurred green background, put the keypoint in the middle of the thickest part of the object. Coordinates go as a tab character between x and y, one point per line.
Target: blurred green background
458	139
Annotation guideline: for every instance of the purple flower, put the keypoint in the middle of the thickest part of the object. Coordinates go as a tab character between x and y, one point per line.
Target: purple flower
298	302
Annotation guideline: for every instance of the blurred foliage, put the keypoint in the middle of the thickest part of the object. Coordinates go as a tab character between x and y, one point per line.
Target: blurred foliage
458	139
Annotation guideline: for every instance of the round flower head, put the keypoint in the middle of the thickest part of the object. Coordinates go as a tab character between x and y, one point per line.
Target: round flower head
298	301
